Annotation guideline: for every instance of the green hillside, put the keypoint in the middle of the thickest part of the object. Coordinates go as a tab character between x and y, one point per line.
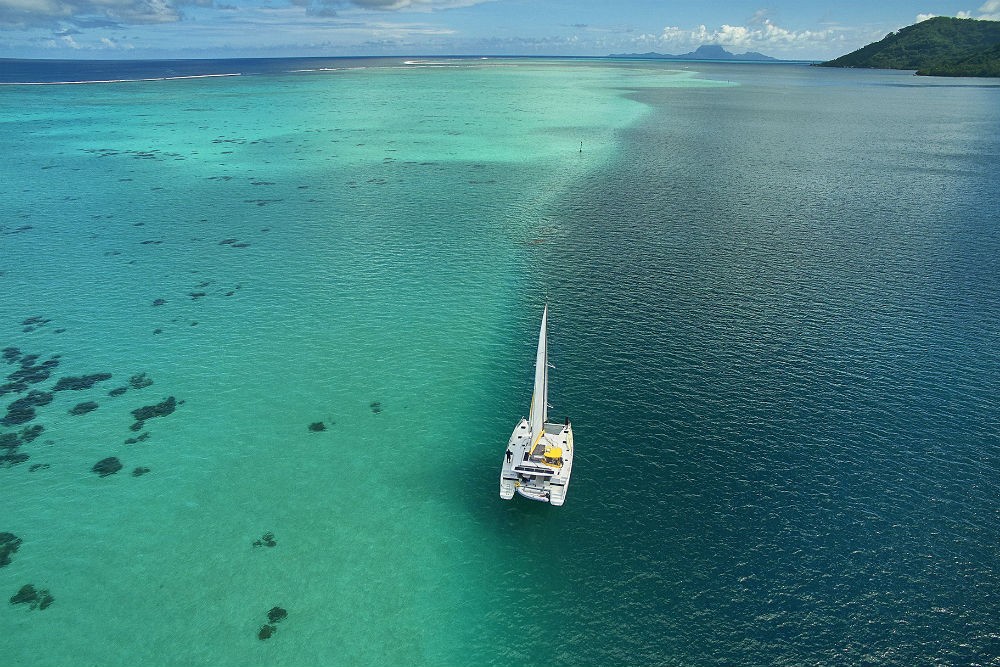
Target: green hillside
941	46
981	63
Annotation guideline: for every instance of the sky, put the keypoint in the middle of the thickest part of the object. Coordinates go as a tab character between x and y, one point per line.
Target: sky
135	29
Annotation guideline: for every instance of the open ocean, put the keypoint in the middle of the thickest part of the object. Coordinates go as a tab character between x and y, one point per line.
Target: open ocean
774	299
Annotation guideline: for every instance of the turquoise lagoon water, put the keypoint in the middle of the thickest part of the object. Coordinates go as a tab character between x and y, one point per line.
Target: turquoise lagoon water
774	303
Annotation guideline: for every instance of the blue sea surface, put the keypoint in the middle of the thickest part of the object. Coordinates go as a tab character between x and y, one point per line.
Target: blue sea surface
774	299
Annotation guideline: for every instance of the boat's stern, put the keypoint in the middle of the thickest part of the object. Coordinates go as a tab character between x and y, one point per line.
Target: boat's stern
540	470
507	482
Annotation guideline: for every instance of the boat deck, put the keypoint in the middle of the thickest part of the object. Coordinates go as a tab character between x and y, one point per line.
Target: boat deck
526	473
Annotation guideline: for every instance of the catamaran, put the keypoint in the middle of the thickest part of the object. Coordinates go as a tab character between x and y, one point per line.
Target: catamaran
539	457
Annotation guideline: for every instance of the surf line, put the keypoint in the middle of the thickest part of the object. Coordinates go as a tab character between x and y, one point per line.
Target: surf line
71	83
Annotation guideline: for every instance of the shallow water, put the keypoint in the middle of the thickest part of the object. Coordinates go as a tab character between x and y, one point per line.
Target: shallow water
774	301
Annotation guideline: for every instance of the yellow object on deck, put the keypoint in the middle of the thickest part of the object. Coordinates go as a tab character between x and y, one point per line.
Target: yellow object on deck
553	457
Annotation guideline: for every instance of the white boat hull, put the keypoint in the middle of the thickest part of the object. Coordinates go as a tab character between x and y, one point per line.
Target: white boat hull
527	476
539	457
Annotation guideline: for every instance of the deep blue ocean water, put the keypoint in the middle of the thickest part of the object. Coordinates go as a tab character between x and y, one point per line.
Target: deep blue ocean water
774	303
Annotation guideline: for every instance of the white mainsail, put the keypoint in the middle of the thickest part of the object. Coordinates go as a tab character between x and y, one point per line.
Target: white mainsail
539	457
540	397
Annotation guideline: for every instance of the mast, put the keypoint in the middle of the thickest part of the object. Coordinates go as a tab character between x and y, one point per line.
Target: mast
540	395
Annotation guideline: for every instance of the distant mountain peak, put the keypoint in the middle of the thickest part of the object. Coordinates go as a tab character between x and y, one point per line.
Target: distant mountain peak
711	51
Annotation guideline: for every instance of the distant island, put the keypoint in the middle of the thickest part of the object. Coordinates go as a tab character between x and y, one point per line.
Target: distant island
941	46
705	52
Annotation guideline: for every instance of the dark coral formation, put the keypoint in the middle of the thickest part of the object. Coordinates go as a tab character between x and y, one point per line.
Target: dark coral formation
36	599
38	466
266	540
139	438
159	302
12	459
11	354
376	407
108	466
33	323
22	410
236	243
29	433
32	399
117	391
9	543
27	593
140	471
10	442
139	381
82	382
83	408
275	615
28	373
161	409
39	398
12	387
316	427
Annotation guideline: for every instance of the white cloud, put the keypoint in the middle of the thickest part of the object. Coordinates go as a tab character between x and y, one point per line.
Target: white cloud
763	34
330	6
412	5
26	13
759	16
36	13
990	10
108	43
